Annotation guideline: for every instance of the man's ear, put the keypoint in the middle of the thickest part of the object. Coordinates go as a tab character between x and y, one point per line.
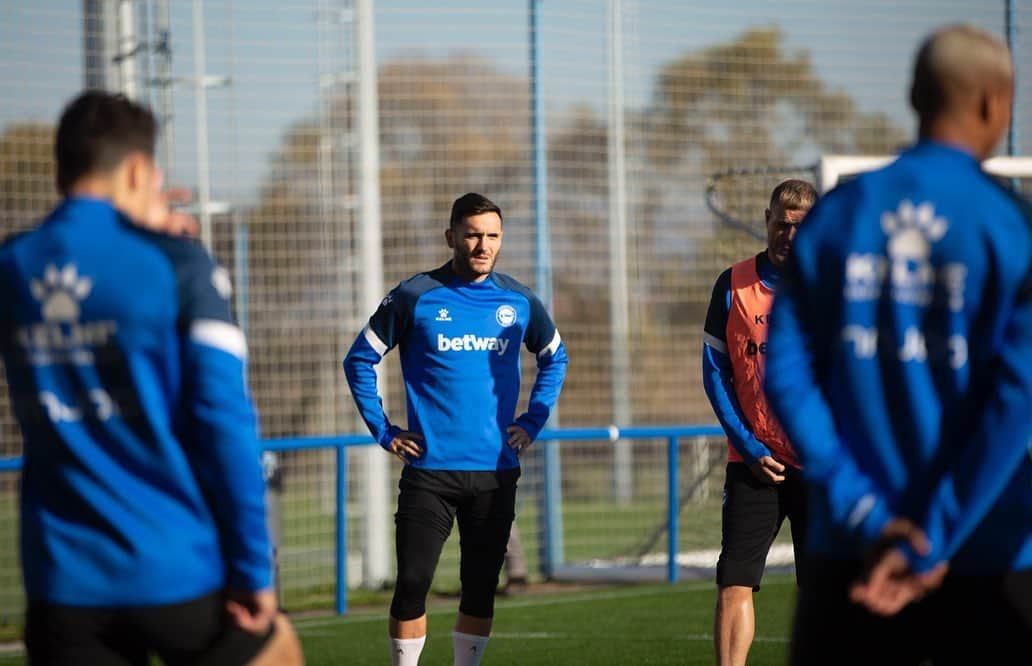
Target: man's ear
449	237
1000	104
137	171
766	216
985	106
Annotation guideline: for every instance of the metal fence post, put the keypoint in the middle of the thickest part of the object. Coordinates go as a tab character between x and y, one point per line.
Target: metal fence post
672	509
342	535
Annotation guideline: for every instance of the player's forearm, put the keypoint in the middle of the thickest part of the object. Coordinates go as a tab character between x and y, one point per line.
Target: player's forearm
225	454
360	371
716	381
547	385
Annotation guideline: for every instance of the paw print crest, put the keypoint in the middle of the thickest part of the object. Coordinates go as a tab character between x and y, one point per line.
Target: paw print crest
912	229
60	291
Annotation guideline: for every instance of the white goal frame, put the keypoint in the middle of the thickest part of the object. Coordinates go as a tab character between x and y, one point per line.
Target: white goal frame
831	168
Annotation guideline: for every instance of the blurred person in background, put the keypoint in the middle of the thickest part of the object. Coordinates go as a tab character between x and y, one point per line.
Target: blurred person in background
763	483
142	522
901	368
459	329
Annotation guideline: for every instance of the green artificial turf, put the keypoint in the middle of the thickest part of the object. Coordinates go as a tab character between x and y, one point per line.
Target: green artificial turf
630	624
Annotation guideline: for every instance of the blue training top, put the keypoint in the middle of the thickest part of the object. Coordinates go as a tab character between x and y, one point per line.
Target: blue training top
900	361
460	358
141	484
717	373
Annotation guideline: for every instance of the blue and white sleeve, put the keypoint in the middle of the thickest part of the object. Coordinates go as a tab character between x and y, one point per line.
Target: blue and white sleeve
857	506
380	335
996	446
718	375
542	339
222	438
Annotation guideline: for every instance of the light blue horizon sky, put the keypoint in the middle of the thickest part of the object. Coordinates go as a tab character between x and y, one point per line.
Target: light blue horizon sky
862	48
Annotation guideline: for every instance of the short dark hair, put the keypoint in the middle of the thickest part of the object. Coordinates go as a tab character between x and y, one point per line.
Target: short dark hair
952	64
471	204
793	194
97	131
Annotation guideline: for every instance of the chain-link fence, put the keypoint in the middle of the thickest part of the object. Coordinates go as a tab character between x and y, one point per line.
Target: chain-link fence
644	103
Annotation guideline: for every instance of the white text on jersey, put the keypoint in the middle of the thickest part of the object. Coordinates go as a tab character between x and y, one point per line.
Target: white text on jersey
470	342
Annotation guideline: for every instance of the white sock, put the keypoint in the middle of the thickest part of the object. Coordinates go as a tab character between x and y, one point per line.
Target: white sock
405	651
469	648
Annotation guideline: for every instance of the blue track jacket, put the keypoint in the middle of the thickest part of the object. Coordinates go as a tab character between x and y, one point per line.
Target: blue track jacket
460	358
900	361
141	484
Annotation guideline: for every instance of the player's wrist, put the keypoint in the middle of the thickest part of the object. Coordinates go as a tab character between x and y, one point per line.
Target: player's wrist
388	436
874	523
528	428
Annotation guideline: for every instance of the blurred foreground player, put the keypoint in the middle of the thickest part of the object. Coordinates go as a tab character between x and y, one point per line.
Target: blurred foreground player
763	483
459	329
142	517
901	367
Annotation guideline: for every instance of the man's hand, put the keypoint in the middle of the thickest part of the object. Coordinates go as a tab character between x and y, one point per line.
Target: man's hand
768	470
406	446
889	584
252	611
161	217
518	438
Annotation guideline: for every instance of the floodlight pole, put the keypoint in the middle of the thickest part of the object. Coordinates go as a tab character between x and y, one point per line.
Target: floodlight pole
377	556
619	324
127	49
550	514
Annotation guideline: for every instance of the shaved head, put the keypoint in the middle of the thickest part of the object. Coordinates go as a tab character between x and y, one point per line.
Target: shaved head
954	67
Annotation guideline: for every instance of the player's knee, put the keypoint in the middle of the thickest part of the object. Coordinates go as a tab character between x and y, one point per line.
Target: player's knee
405	609
478	600
410	596
410	590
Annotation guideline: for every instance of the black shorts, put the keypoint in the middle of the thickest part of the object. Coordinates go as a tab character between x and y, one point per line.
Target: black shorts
752	515
193	632
969	620
428	504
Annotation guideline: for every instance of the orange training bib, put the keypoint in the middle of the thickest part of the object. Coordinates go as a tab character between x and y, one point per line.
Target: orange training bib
747	320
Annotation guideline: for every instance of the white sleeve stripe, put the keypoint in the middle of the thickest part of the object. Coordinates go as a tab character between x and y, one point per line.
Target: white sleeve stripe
552	346
715	342
374	341
221	335
861	510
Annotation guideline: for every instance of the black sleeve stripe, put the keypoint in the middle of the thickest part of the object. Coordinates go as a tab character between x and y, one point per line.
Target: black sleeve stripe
393	319
203	287
541	331
715	328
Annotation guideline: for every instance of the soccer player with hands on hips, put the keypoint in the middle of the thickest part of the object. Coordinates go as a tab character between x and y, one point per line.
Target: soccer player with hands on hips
143	528
900	366
458	329
763	484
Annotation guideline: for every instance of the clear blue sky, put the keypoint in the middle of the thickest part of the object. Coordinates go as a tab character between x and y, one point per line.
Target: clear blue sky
861	46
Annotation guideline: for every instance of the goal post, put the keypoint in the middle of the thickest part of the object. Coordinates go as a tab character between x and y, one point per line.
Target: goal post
833	169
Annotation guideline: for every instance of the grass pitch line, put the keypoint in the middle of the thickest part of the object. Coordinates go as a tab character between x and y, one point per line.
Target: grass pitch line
708	638
303	624
524	635
502	603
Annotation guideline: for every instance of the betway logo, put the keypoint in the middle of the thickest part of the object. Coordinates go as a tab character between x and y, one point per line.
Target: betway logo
470	342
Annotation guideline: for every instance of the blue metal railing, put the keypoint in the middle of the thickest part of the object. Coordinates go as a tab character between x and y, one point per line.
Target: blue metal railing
672	435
